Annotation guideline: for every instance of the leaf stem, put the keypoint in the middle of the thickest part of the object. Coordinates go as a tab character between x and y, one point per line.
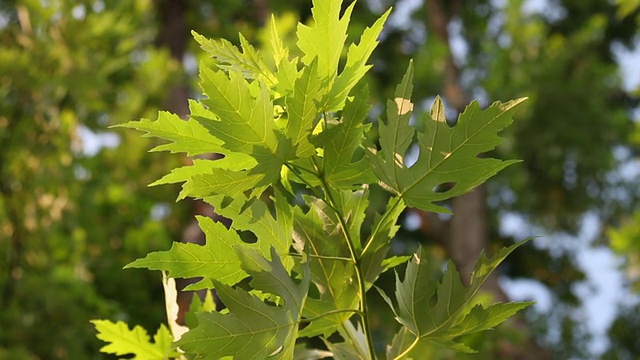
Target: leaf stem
298	167
332	312
362	289
408	350
396	201
311	187
337	258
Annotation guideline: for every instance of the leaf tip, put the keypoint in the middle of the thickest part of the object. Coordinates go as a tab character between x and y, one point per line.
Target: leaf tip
131	265
196	35
512	103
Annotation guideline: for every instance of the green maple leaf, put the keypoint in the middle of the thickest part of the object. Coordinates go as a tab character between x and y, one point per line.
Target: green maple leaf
302	110
440	312
228	57
246	135
356	66
255	216
325	39
215	260
224	181
279	51
287	68
235	163
271	231
252	329
481	318
448	156
342	142
245	112
186	136
245	124
136	341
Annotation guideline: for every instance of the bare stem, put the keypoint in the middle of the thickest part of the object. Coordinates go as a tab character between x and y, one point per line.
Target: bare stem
407	350
332	312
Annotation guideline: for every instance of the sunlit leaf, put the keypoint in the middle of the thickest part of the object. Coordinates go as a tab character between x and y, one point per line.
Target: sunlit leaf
228	57
136	341
252	329
435	311
186	136
449	156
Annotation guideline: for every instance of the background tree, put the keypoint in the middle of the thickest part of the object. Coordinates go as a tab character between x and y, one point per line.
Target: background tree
72	215
625	240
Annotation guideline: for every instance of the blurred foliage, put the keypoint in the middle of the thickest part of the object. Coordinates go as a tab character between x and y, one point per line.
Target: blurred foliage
69	219
625	240
623	335
578	113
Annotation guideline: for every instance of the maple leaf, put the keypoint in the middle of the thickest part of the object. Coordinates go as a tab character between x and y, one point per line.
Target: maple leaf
325	39
236	162
136	341
186	136
302	110
279	51
252	329
287	68
215	260
224	181
438	311
243	121
256	217
245	113
228	57
356	65
342	143
448	156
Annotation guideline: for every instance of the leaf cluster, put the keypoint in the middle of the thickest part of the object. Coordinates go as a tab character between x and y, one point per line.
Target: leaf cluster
297	164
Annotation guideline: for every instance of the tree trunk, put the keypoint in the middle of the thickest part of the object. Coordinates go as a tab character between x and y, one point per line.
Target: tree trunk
469	233
173	33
